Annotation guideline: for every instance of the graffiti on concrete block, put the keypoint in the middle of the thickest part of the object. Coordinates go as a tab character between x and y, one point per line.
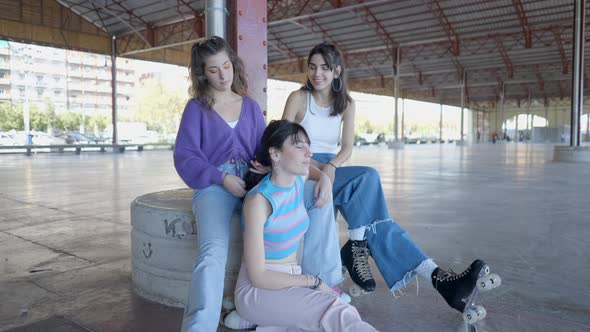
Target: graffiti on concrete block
149	250
170	228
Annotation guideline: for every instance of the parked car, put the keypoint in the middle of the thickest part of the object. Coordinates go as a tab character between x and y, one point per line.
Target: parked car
37	138
7	139
76	138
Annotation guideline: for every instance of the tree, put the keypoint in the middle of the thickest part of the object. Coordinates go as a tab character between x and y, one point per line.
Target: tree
159	107
51	117
37	118
69	121
11	117
99	121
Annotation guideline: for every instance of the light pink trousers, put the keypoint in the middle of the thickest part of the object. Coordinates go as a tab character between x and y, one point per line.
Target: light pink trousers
296	308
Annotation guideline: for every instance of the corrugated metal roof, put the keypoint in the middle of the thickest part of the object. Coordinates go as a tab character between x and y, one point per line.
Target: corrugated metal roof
524	44
438	40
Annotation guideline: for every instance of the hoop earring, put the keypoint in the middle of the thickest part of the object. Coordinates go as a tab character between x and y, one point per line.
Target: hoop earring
339	88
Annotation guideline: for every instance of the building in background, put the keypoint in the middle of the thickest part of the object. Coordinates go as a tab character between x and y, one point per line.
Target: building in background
5	87
70	80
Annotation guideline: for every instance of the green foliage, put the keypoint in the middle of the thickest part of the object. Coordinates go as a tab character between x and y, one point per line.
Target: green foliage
11	117
37	118
100	121
159	107
69	121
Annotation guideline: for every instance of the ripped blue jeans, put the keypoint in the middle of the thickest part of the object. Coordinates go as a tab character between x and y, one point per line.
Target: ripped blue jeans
358	195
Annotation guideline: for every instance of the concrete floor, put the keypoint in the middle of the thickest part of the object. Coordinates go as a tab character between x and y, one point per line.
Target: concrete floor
65	247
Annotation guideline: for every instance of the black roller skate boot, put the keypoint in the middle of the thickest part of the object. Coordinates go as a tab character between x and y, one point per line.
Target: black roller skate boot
457	288
355	257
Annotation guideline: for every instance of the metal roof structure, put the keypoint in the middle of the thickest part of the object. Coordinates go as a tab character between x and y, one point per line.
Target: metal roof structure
523	45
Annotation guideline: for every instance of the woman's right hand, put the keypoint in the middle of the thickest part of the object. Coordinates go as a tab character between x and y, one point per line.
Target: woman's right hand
235	185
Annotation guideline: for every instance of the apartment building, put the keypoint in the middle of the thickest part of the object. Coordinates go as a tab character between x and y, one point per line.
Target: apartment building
4	72
71	80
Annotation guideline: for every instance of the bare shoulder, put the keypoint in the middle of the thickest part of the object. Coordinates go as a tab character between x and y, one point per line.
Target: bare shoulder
257	203
297	96
295	106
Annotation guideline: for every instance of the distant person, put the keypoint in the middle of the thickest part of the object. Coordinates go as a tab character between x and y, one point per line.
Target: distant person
219	132
323	106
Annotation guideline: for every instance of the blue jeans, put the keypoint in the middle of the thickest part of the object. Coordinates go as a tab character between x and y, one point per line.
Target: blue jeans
358	195
213	208
321	248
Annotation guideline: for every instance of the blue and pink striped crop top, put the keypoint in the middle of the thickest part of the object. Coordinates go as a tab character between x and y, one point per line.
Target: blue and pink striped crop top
288	221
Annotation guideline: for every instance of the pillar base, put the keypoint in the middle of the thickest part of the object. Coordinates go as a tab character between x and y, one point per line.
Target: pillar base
399	145
578	154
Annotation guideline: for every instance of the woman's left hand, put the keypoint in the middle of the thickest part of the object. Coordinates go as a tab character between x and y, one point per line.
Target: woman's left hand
257	167
323	191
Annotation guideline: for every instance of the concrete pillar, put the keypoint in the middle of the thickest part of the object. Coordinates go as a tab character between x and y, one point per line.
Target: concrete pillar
403	118
114	115
502	111
578	71
396	93
462	106
516	129
440	138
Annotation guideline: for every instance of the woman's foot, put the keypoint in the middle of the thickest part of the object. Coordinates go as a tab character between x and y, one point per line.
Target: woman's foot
456	288
235	322
345	297
355	257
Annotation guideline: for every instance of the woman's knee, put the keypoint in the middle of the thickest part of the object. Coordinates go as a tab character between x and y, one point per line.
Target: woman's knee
214	249
371	174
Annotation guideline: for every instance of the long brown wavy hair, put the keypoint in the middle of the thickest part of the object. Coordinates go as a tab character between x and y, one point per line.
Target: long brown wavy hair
200	52
333	59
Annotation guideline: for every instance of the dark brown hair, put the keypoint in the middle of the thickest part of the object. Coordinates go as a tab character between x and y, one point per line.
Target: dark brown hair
275	135
200	52
333	59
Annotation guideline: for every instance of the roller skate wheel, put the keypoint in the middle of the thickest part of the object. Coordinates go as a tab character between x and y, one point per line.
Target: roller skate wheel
495	280
484	285
481	312
228	303
470	316
355	291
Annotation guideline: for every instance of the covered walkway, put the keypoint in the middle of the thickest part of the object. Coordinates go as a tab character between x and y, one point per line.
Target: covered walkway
65	248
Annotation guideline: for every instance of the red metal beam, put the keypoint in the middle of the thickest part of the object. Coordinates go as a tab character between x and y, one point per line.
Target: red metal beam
505	58
367	16
247	33
562	55
281	11
439	13
524	23
540	80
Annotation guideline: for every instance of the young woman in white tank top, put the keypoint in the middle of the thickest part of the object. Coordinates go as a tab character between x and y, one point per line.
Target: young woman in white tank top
321	106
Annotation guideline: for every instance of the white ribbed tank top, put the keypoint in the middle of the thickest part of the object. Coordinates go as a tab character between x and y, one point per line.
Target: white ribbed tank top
323	129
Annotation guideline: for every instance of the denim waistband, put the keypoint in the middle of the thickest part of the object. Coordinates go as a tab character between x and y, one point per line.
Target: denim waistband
323	157
237	167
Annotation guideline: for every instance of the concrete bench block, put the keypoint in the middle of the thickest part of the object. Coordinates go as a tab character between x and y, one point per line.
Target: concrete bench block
164	244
